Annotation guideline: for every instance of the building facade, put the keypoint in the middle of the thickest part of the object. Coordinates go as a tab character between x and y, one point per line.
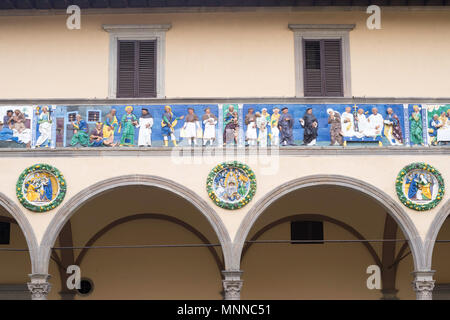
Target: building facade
167	150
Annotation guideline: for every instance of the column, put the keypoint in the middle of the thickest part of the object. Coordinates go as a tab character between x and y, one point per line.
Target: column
232	284
39	286
389	294
423	284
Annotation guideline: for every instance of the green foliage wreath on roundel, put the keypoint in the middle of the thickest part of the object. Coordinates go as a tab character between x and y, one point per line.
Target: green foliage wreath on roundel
232	164
407	202
61	185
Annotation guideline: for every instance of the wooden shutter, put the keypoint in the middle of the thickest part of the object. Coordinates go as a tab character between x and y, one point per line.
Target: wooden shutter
147	69
322	68
332	67
136	69
312	68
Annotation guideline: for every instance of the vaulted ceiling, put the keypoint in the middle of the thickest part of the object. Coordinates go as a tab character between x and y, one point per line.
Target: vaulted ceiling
63	4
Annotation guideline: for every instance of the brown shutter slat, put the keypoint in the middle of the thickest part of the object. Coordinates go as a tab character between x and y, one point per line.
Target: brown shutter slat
136	69
147	69
333	68
322	68
312	68
126	69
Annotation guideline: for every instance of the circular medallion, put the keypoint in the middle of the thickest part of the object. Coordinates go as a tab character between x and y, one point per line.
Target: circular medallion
420	186
41	187
231	185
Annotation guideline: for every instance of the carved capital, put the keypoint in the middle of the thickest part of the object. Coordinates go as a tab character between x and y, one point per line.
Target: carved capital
232	284
232	289
39	286
423	284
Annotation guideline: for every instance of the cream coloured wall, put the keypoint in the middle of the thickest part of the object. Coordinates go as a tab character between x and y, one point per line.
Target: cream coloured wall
82	172
319	271
271	271
226	54
186	266
151	273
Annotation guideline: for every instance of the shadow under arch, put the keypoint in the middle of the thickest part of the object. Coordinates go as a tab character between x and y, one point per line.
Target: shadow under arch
70	207
393	208
24	225
149	216
315	217
433	232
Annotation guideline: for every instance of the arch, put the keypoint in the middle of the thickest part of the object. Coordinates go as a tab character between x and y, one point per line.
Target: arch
70	207
151	216
433	232
28	232
392	207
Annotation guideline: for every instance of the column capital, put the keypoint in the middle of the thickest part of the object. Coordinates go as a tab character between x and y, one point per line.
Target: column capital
232	284
423	284
39	286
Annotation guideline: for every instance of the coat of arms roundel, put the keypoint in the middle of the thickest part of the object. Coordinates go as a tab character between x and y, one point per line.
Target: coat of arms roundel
231	185
420	186
41	187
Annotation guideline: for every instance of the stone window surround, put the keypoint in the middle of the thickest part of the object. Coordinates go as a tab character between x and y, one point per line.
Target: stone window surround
137	32
321	31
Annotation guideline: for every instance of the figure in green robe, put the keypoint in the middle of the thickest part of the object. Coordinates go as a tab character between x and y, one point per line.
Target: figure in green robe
416	126
127	124
80	132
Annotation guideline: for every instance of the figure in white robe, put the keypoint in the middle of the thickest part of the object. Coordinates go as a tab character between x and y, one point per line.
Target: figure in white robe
45	127
261	124
364	129
191	125
251	135
24	136
443	134
375	123
145	129
210	121
347	123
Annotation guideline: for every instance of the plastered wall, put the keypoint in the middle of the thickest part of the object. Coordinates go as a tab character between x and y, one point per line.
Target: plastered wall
226	54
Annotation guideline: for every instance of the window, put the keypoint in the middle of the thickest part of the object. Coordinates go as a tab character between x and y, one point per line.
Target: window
72	116
136	69
307	230
5	230
322	68
136	61
93	116
322	60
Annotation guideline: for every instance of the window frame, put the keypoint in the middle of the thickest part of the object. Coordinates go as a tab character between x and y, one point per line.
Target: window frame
93	110
322	32
68	116
136	33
